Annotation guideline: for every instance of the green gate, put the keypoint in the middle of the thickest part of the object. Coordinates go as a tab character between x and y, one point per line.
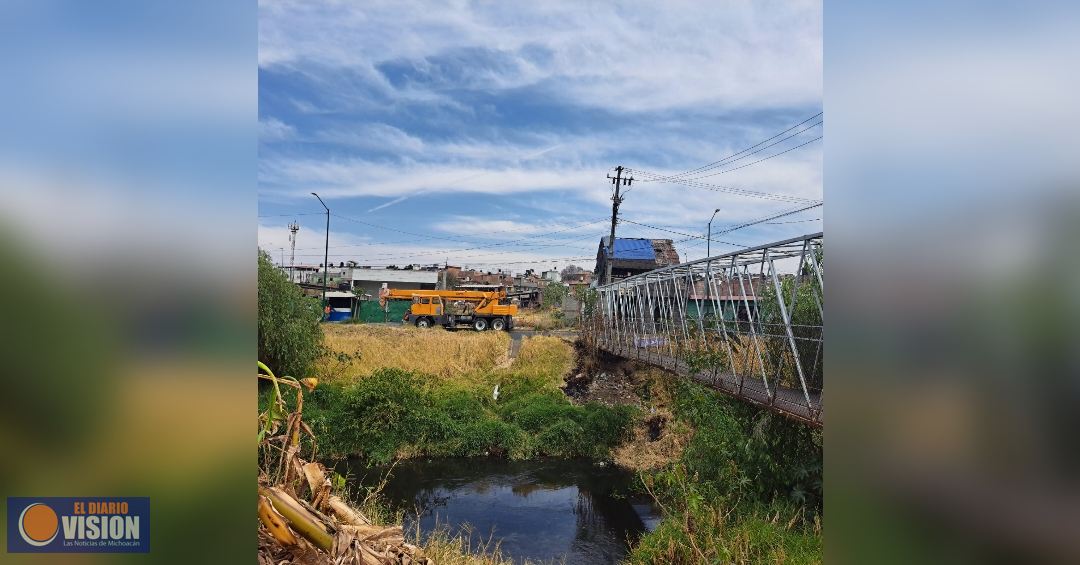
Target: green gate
371	312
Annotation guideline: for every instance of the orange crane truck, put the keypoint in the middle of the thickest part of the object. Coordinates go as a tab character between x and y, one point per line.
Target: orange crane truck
454	308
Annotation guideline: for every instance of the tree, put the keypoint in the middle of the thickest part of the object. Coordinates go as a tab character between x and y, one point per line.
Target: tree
587	297
569	271
289	335
554	294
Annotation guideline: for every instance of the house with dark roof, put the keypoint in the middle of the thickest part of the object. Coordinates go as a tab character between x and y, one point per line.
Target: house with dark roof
633	256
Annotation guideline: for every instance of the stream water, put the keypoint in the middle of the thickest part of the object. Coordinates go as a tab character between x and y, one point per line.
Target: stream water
550	510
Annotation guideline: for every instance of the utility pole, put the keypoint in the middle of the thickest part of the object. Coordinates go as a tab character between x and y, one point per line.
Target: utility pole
293	228
326	252
616	199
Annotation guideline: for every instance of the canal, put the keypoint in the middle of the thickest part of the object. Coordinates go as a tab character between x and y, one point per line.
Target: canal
566	511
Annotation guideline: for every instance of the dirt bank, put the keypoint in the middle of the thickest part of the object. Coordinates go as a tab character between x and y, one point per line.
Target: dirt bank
657	439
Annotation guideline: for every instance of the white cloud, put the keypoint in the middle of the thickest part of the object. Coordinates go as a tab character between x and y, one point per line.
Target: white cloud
405	249
676	69
639	57
273	129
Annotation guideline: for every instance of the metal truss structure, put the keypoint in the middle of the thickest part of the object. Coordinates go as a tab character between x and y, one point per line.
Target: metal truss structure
748	323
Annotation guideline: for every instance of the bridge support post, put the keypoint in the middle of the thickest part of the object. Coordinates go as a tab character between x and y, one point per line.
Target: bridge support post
787	328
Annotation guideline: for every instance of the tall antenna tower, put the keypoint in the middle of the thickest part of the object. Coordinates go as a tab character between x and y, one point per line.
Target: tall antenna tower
293	228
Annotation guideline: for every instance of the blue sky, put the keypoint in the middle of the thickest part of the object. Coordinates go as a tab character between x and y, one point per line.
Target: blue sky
482	133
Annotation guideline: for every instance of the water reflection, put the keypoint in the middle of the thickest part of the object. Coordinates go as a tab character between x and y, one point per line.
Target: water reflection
550	510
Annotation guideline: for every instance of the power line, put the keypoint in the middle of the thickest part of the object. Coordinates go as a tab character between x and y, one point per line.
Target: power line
290	215
495	244
427	236
511	242
524	262
793	221
728	189
690	236
752	149
443	251
762	148
768	218
714	163
394	257
730	229
758	161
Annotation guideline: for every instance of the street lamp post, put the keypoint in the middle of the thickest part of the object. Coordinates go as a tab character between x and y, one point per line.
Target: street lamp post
708	263
708	238
326	251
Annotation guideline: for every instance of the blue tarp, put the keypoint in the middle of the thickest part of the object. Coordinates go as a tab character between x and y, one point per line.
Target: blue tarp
634	249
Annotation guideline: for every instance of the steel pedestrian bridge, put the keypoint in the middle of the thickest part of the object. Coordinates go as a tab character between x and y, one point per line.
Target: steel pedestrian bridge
748	323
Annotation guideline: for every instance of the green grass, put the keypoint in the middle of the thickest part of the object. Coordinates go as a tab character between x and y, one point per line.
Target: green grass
747	488
445	407
395	413
716	534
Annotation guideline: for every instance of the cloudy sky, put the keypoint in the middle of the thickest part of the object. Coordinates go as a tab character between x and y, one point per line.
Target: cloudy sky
482	133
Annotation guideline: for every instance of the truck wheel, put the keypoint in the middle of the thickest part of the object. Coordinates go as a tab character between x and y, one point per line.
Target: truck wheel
480	324
498	324
423	322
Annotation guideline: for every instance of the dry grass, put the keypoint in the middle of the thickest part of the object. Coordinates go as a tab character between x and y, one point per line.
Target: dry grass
540	319
545	358
643	454
750	354
446	549
357	350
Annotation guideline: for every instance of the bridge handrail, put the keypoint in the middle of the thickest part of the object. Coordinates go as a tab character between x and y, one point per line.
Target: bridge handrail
728	255
749	340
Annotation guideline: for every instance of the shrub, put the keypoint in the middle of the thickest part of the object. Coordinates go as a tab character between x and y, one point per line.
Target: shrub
564	437
394	411
806	328
489	437
554	294
588	297
699	530
533	412
372	418
741	450
289	335
607	425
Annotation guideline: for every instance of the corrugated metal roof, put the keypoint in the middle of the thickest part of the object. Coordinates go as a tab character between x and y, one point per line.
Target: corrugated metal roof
633	249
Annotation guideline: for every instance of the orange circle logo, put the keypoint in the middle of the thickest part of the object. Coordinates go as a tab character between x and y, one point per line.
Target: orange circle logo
38	524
